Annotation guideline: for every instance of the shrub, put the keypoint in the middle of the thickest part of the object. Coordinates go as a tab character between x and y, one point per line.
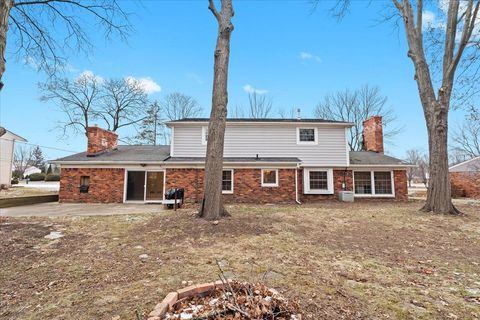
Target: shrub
37	177
14	181
52	177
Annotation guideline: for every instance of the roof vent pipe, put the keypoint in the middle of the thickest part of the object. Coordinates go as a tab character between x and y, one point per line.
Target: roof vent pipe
256	157
298	114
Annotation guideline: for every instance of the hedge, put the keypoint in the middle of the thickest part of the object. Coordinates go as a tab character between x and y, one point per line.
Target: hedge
52	177
37	177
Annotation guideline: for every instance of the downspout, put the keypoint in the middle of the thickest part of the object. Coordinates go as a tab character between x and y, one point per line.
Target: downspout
296	186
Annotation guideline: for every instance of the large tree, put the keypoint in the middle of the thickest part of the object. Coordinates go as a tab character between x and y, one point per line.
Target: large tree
458	48
466	138
177	106
260	106
22	159
212	206
38	160
151	128
445	56
123	103
356	106
43	32
77	99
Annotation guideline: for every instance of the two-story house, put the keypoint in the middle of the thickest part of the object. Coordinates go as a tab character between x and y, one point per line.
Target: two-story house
265	161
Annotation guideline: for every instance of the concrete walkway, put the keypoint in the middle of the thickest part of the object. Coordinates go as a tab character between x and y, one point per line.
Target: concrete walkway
52	209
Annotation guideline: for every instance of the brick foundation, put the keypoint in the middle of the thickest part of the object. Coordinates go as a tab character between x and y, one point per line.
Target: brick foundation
247	186
465	184
106	185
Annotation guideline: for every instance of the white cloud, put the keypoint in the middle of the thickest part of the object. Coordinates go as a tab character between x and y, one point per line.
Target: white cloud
250	89
88	74
309	56
147	84
430	20
194	77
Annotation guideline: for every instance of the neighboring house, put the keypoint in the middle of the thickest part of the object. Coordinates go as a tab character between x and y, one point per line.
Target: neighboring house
7	150
266	161
30	170
465	178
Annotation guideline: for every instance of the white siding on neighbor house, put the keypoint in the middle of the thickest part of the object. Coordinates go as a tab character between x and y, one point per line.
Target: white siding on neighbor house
267	140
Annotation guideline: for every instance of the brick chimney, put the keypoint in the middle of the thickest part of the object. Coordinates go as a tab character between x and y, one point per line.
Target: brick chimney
373	134
100	140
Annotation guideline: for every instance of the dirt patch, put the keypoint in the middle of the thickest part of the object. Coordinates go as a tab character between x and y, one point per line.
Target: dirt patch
340	261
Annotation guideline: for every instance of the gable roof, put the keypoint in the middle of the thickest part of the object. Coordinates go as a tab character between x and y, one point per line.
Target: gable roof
370	158
262	120
123	154
4	132
472	165
137	154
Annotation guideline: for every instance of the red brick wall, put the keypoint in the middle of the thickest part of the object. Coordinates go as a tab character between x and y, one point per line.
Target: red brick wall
337	186
247	186
465	184
106	185
373	134
399	176
100	140
401	186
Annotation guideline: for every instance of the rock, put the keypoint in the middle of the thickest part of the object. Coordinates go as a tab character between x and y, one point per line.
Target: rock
189	283
116	318
54	235
215	222
138	247
184	283
223	263
473	292
143	256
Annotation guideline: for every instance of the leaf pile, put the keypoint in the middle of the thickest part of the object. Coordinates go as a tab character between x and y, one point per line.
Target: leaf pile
234	302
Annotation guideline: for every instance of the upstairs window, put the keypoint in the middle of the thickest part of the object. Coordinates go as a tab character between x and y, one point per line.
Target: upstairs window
269	178
227	181
306	135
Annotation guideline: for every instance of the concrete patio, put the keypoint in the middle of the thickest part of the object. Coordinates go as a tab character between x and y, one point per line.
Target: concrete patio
52	209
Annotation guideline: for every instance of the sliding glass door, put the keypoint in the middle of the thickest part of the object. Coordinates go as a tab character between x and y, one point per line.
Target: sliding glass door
145	186
154	190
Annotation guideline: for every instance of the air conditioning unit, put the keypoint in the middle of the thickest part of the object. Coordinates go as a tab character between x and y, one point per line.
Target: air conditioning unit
345	196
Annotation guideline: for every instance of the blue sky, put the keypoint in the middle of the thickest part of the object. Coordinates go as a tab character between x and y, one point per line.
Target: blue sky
173	43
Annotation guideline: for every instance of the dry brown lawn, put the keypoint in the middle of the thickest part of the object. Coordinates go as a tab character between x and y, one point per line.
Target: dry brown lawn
15	192
370	260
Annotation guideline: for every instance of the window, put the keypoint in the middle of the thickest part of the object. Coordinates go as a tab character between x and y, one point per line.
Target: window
306	135
269	178
363	182
204	135
84	184
227	181
318	181
373	183
383	182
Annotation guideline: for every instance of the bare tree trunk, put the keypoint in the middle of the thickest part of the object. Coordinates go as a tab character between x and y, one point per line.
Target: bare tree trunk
5	7
439	190
212	207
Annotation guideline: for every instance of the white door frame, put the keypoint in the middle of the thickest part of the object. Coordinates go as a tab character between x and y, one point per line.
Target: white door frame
125	181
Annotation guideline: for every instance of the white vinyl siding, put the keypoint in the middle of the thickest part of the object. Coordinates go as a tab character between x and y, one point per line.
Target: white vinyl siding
279	140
